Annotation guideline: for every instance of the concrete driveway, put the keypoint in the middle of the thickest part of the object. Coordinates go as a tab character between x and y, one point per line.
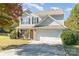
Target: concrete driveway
37	48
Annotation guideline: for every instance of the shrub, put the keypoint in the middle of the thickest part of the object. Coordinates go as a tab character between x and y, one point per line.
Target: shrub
69	37
76	34
13	34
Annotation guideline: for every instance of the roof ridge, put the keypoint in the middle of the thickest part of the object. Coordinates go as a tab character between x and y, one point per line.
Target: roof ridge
49	10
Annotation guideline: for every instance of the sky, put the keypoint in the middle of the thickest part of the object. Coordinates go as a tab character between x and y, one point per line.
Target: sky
36	7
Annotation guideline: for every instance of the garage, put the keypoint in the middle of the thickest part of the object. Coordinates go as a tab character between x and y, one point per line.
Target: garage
48	34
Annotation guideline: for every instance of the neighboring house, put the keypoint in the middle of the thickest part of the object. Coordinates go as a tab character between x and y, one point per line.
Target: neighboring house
42	25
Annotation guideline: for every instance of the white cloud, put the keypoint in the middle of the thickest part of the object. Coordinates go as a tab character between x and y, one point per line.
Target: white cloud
68	9
54	8
36	6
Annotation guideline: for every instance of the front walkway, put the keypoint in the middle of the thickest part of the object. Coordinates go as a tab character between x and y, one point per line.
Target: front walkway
37	48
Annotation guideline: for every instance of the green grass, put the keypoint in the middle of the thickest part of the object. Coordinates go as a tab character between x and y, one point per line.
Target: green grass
6	42
72	50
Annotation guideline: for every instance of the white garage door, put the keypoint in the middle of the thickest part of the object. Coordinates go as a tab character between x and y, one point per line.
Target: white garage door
46	34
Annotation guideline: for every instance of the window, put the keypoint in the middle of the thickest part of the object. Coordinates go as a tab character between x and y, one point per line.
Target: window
28	20
25	20
22	21
35	20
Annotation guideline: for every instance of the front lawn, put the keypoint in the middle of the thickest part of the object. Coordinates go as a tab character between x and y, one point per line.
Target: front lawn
6	42
72	50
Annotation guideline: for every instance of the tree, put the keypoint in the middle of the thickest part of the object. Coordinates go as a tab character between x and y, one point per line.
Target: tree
73	20
9	13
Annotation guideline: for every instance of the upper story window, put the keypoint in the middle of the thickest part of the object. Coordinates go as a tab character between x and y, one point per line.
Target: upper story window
35	20
25	20
29	20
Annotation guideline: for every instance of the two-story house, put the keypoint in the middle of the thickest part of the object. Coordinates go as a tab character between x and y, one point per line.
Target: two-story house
42	25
